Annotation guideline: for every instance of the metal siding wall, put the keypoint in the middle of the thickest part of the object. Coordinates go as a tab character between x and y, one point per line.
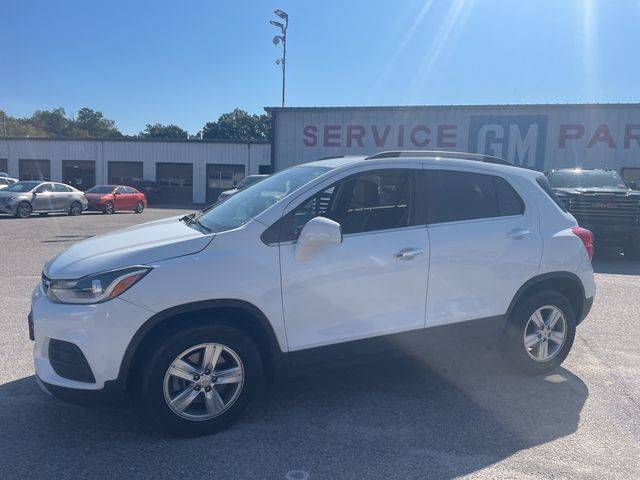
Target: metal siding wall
149	153
529	133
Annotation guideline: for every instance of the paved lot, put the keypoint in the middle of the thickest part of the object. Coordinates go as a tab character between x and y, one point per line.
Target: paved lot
448	413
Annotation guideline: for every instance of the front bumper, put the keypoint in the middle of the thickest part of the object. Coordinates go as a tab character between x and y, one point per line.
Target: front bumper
9	208
101	332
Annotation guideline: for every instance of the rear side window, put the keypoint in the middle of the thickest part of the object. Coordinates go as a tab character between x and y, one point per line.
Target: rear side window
457	196
57	187
544	184
130	190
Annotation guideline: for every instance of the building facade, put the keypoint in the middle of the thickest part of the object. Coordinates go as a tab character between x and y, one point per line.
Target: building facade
193	171
541	137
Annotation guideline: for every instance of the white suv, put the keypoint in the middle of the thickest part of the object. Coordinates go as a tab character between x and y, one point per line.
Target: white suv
191	313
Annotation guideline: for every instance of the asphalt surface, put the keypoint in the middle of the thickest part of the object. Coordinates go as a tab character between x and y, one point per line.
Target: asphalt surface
455	411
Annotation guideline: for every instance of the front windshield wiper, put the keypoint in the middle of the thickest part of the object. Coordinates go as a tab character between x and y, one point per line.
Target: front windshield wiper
192	218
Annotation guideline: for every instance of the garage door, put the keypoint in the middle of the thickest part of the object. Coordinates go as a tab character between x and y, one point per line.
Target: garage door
4	165
176	182
120	172
35	169
79	173
222	177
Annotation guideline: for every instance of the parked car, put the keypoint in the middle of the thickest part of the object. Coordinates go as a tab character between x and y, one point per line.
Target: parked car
603	202
188	314
4	174
111	198
248	180
6	181
24	198
150	189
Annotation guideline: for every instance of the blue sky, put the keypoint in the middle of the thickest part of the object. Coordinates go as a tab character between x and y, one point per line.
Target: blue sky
143	61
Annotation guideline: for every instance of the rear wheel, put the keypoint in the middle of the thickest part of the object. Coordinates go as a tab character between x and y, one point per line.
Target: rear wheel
24	210
539	333
199	380
75	209
139	207
108	208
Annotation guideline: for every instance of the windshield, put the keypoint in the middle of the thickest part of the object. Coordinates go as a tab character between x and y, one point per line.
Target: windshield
586	179
246	204
249	181
101	189
22	187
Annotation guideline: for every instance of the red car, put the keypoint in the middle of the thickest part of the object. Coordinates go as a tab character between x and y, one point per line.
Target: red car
111	198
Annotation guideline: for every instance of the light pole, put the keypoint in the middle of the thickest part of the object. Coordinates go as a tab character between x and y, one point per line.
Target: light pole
281	38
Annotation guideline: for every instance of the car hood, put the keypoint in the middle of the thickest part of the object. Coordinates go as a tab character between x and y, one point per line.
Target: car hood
138	245
5	194
599	191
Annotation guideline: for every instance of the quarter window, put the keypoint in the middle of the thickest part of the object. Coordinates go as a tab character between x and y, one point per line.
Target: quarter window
456	196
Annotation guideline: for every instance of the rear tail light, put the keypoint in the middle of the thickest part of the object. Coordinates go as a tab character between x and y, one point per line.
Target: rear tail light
587	239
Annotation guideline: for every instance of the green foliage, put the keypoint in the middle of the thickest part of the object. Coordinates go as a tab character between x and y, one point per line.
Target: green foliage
239	125
56	124
158	130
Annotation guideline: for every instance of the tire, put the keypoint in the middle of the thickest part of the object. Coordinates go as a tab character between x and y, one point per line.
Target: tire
632	252
531	360
24	210
75	209
154	387
108	208
139	207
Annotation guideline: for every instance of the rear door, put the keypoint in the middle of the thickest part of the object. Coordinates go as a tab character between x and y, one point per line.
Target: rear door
61	197
485	244
121	199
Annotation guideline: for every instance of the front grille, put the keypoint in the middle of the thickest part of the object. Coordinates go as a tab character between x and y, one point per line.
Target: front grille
604	209
69	362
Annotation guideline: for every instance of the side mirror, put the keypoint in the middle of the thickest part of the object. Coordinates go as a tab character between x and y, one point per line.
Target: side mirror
633	185
318	232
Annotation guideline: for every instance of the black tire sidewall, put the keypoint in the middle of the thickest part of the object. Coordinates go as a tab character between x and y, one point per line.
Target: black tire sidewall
139	207
513	338
149	393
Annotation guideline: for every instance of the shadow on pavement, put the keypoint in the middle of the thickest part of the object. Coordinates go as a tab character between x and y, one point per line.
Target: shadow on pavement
611	261
433	415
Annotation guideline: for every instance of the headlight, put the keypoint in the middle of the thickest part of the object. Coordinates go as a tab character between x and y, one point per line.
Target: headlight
95	288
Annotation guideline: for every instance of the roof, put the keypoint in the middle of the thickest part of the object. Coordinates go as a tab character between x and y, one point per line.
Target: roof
429	158
136	140
454	107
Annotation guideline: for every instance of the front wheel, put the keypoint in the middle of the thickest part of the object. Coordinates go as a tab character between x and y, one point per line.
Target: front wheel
199	380
139	207
75	209
108	208
24	210
539	333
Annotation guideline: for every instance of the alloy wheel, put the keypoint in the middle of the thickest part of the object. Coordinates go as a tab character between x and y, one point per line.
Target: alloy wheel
203	381
545	333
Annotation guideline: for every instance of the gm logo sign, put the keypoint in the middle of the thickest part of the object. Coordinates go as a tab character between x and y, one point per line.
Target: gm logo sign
521	139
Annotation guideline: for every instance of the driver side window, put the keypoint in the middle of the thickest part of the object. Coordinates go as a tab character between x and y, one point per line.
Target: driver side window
366	202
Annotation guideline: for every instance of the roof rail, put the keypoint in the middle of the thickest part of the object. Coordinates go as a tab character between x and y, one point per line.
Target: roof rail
440	153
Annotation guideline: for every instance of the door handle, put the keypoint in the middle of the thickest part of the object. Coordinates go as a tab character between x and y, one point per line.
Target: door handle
409	253
518	233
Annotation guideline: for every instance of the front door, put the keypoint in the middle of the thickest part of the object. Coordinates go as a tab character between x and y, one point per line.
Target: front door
43	198
122	199
375	281
484	245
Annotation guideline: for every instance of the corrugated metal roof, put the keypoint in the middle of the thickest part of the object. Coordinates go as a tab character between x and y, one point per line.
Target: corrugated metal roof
418	107
140	140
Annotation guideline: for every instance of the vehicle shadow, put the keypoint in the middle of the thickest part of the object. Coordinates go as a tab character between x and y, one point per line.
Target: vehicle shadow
428	415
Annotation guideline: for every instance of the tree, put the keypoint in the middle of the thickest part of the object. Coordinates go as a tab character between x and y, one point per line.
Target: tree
94	123
54	122
239	125
158	130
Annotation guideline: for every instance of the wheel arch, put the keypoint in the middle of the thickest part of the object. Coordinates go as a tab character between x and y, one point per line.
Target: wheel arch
566	283
235	313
